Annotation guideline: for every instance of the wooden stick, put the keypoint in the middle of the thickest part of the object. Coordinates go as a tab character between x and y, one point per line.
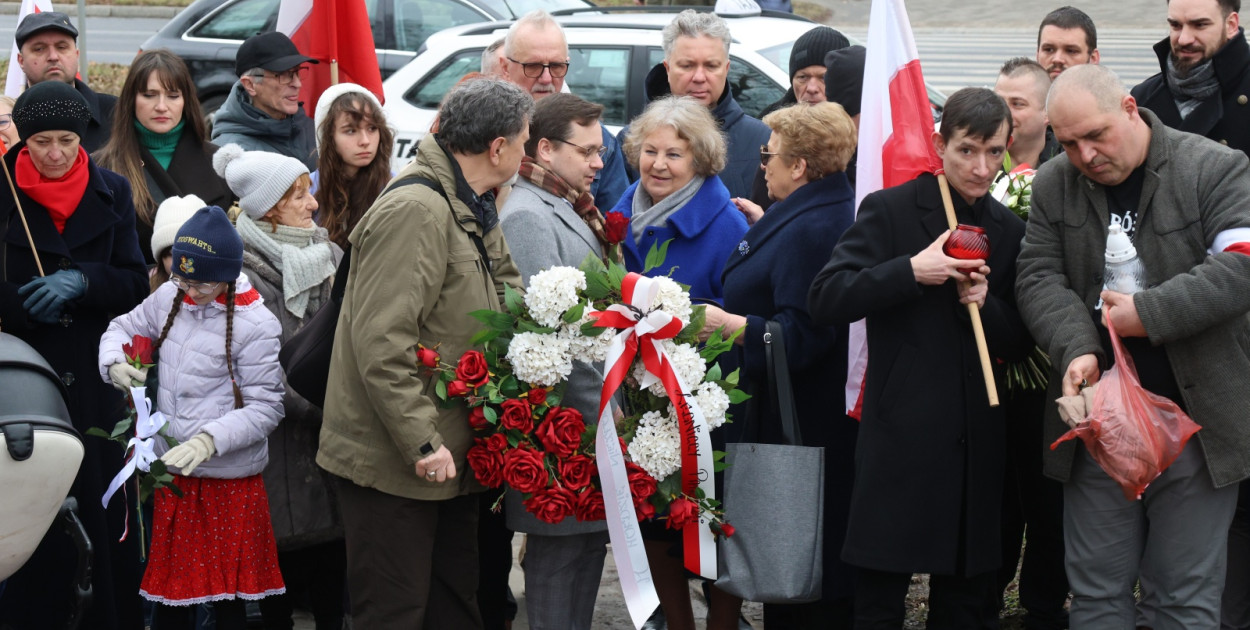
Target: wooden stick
30	239
974	312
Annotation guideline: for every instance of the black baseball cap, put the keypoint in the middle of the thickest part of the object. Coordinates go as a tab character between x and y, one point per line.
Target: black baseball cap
46	21
272	51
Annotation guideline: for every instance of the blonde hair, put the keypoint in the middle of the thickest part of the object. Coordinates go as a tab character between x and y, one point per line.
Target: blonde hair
822	134
693	123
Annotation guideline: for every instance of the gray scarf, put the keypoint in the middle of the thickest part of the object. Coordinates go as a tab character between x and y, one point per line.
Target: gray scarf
303	256
1192	87
646	214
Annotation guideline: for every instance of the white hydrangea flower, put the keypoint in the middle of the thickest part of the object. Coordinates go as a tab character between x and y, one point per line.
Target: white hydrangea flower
588	349
656	445
552	292
539	359
713	402
686	361
672	299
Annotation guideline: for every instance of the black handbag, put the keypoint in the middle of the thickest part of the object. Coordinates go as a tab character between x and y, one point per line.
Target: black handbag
306	355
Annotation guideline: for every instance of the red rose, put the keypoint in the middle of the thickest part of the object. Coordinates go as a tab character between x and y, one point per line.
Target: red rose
477	418
645	510
523	470
576	471
681	512
472	368
487	464
551	505
456	389
427	357
497	442
537	396
139	351
561	431
517	414
614	226
726	529
590	506
641	483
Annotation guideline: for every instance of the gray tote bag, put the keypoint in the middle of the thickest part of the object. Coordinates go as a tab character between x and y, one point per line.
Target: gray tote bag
774	498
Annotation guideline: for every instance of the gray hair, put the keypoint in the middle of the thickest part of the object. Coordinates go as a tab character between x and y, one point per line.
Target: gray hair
537	19
690	23
490	58
693	122
257	74
462	126
1096	80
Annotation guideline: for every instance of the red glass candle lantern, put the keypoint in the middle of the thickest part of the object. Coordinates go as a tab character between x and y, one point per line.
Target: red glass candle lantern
968	242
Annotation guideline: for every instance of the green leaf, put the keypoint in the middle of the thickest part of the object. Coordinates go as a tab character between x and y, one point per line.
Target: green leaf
592	265
698	317
737	396
616	275
575	313
494	319
526	325
491	415
656	255
589	329
713	373
484	335
598	286
122	427
513	300
98	432
440	390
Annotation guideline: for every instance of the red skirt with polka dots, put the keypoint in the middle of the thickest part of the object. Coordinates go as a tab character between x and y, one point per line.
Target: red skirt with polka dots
214	543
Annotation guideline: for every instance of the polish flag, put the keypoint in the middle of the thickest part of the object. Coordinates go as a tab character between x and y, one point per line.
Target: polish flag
895	139
332	31
17	79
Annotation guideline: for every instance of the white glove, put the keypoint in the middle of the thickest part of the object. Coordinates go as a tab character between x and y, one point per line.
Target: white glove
192	453
125	376
1074	410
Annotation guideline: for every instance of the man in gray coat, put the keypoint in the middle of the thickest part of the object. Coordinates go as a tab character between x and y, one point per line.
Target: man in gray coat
550	220
1186	202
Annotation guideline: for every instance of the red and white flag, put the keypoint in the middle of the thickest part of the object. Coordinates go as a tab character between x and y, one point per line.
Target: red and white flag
895	139
16	81
329	31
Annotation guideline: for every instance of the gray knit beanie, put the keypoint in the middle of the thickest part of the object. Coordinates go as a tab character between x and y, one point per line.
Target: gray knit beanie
259	178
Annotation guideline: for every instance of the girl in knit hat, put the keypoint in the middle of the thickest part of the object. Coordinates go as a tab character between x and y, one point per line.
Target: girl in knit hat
291	262
220	390
170	216
354	144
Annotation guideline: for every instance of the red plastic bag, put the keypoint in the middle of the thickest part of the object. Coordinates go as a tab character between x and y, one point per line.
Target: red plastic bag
1133	434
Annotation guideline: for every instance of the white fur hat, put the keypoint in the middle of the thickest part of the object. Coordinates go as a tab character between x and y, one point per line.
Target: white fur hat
330	95
170	216
259	178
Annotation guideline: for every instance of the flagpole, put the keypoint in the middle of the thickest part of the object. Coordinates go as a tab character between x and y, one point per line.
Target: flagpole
26	226
974	313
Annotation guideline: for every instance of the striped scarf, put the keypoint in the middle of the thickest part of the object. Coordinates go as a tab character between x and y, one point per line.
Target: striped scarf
583	203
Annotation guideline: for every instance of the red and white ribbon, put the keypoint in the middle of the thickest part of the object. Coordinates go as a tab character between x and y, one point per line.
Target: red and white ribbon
642	329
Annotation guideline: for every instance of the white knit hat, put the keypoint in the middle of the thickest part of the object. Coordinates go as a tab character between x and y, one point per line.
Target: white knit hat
259	178
332	94
170	216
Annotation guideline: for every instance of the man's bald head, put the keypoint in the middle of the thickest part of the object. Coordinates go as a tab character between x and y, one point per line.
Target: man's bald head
1101	83
1098	124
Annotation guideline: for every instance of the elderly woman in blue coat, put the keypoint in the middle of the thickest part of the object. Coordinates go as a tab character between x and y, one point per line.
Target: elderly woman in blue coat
678	149
767	279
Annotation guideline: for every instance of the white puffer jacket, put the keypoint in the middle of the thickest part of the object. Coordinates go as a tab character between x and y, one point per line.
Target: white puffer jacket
195	394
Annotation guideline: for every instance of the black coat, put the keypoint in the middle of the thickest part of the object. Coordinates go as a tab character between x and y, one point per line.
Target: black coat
929	461
100	127
100	241
190	172
767	278
1225	119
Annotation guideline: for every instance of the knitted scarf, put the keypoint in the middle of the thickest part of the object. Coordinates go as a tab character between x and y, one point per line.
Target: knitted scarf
303	256
583	203
1193	86
61	196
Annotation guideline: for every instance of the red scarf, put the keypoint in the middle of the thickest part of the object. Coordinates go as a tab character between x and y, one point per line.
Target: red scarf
60	197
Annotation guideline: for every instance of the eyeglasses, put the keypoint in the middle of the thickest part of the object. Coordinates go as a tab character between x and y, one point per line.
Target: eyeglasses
587	152
765	156
5	121
535	69
285	78
203	288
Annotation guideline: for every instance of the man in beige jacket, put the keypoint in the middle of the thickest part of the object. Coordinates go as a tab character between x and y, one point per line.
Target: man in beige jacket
422	260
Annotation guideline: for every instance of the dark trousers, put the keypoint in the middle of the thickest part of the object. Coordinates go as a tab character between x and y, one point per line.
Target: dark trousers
411	565
231	614
316	578
823	614
1032	503
494	544
955	603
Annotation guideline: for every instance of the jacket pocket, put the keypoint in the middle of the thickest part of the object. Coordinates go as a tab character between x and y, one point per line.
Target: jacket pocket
463	261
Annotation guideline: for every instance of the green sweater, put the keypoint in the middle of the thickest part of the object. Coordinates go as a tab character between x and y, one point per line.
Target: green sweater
161	145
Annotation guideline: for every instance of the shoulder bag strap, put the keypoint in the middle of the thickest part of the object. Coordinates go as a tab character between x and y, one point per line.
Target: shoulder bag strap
779	386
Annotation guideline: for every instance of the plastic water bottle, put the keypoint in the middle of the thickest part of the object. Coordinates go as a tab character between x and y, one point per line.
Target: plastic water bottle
1124	272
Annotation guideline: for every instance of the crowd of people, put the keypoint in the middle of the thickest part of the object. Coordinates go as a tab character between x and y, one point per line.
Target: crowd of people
135	221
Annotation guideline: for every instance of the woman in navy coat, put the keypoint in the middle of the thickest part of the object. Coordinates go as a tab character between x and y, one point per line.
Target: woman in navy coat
767	279
82	221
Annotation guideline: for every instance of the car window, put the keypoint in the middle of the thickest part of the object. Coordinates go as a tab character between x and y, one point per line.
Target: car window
375	23
240	20
415	20
517	8
753	89
429	93
779	55
599	75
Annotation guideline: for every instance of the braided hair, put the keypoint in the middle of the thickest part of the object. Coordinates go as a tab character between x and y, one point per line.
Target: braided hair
169	322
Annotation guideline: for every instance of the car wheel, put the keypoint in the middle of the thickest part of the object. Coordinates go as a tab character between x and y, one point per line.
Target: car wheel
210	106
